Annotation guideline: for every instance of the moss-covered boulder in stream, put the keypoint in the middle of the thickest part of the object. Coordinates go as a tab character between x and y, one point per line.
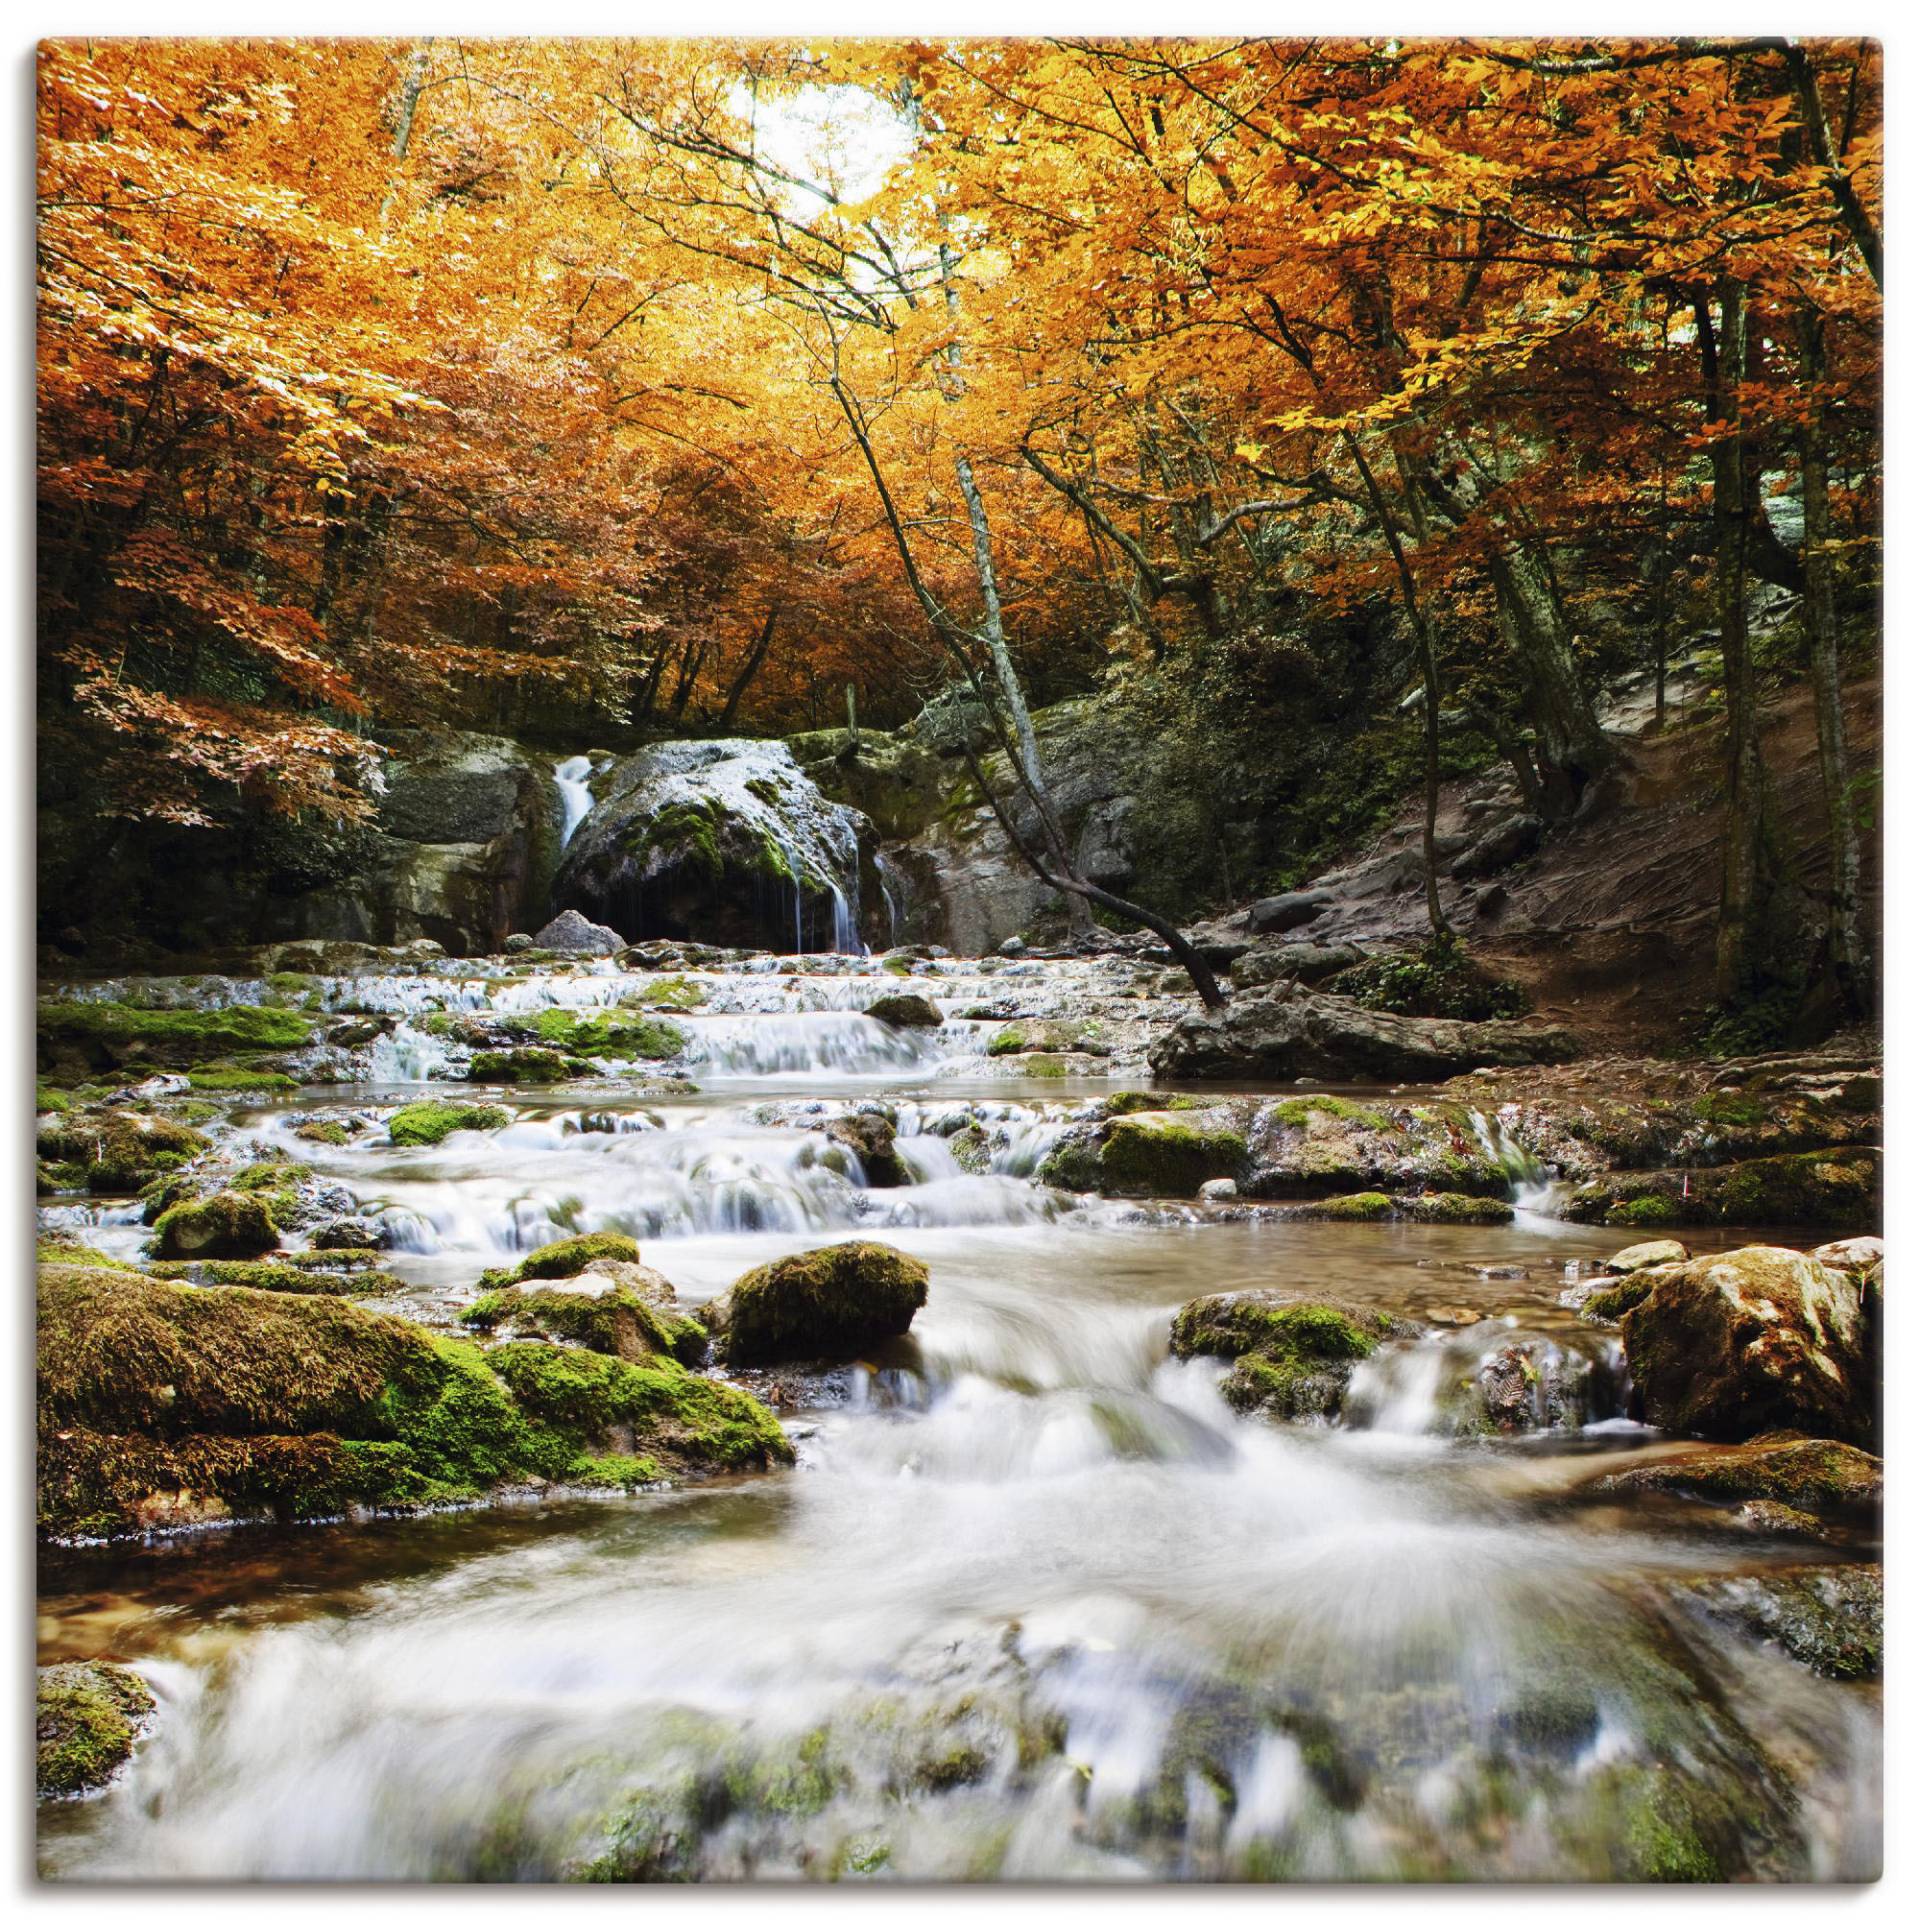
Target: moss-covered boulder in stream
1835	1189
522	1067
1171	1154
1825	1477
1292	1356
1740	1343
831	1304
427	1122
223	1225
559	1258
162	1404
609	1306
77	1037
117	1152
85	1716
904	1010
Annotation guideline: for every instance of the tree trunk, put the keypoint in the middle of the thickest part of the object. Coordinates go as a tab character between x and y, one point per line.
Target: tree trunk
1741	956
756	658
1845	949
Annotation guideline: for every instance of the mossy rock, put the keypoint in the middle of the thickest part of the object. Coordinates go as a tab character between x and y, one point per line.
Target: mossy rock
1167	1154
607	1035
1626	1293
241	1080
522	1067
118	1152
1346	1206
561	1258
165	1405
223	1224
1829	1618
1291	1356
870	1138
107	1033
288	1274
323	1133
427	1122
86	1714
830	1304
1835	1189
1453	1210
611	1307
904	1010
1786	1469
1746	1342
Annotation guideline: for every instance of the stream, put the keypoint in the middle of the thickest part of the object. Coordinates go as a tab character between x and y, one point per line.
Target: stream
1035	1604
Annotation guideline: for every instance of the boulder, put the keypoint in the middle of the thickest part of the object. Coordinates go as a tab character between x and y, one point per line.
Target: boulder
162	1404
86	1714
1286	1032
1646	1253
1852	1256
831	1304
1292	1355
1292	960
1740	1343
1172	1155
904	1010
869	1137
1282	912
1777	1469
573	932
1500	846
1829	1618
1837	1188
610	1305
222	1226
718	840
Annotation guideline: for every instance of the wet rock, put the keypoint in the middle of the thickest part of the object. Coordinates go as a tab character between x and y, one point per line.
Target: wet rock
1219	1190
164	1405
427	1122
1741	1343
573	932
904	1010
1646	1253
1171	1155
521	1067
1292	1356
1829	1618
1785	1469
1500	847
719	840
831	1304
117	1152
1012	947
1852	1256
356	1231
223	1225
86	1714
517	943
610	1305
1288	1032
869	1137
1282	912
1321	1143
1831	1189
1292	960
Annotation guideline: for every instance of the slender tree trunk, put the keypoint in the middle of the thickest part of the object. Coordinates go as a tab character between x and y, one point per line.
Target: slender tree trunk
756	658
1429	679
1846	950
1740	950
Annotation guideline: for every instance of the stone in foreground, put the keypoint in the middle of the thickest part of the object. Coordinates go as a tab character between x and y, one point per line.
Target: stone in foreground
1741	1343
85	1716
1292	1356
831	1304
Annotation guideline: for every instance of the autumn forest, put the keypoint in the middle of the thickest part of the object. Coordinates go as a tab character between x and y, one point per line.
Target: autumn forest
655	653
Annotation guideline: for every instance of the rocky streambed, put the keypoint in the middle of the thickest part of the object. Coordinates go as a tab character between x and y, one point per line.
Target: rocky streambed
464	1453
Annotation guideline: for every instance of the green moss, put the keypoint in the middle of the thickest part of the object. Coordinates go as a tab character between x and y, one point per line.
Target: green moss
200	1031
1299	1113
1290	1357
1836	1189
1044	1066
564	1258
86	1714
240	1080
1650	1210
1454	1209
1662	1839
1008	1040
118	1152
281	1276
616	1320
896	963
829	1304
223	1223
427	1122
605	1035
684	833
1621	1297
591	1396
1135	1100
324	1133
1725	1110
1154	1153
521	1066
677	992
1815	1476
50	1100
1354	1206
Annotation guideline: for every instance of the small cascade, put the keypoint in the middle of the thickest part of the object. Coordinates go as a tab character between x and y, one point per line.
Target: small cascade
1486	1380
755	1046
572	777
1534	1190
411	1053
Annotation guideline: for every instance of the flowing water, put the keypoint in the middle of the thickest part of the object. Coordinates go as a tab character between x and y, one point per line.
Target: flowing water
1035	1604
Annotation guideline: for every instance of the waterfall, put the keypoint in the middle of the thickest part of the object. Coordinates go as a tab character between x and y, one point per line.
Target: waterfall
576	796
1533	1186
